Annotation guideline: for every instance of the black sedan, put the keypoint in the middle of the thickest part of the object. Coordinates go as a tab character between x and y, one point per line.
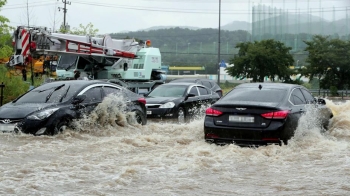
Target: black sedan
211	84
178	100
264	113
51	107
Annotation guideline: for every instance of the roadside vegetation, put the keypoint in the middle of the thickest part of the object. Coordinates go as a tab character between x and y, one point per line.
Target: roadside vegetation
14	84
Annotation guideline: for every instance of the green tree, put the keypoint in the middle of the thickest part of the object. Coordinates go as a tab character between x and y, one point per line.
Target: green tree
84	30
5	36
329	61
260	59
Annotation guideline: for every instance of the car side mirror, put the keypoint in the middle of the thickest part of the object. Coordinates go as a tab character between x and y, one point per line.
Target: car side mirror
321	101
189	95
78	99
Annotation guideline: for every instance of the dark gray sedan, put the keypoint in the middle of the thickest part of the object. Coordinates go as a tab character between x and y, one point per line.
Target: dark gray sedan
178	100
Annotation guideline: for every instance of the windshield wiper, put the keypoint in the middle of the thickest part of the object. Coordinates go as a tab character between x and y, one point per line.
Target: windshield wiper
48	88
69	66
49	95
65	94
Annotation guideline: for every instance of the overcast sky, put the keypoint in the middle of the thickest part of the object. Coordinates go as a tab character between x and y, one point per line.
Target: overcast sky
111	16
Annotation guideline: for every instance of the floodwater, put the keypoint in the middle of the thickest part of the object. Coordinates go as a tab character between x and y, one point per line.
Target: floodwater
164	158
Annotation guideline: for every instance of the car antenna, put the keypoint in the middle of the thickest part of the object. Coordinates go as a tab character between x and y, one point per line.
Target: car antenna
260	87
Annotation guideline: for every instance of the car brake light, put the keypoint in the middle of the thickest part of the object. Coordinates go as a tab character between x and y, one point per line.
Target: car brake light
211	135
276	115
270	139
212	112
142	100
219	92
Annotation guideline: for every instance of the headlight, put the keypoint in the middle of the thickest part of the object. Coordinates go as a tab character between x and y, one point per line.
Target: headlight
167	105
42	114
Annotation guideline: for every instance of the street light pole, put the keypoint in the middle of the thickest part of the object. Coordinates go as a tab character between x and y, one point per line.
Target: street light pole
219	43
176	49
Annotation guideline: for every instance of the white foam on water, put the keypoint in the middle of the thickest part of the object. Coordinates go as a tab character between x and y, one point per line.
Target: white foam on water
110	155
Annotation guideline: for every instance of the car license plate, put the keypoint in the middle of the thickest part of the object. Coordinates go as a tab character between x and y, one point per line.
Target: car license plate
149	112
7	127
236	118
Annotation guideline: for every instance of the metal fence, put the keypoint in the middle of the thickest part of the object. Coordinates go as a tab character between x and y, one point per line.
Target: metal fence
343	94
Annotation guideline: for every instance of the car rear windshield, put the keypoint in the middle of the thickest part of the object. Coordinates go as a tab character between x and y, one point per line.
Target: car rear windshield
49	93
256	95
168	91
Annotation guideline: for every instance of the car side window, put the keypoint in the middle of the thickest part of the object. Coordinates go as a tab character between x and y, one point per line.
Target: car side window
308	96
110	90
207	84
297	98
93	95
203	91
194	90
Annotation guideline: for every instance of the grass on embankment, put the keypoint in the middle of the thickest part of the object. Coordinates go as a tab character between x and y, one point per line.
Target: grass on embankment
14	85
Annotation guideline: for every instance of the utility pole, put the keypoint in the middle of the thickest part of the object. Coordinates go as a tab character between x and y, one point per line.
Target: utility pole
64	8
219	43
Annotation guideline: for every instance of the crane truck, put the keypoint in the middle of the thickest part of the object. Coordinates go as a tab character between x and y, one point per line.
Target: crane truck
131	64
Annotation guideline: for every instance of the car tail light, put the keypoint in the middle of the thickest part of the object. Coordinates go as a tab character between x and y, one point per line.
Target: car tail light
276	115
219	92
212	112
142	100
211	135
271	139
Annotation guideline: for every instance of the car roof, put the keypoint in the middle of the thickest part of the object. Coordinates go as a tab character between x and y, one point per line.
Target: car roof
191	79
269	85
183	83
80	83
188	84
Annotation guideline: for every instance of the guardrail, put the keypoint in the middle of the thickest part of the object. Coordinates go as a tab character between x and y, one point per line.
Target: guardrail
327	93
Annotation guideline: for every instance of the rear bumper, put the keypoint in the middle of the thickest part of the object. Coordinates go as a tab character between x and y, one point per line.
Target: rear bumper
273	134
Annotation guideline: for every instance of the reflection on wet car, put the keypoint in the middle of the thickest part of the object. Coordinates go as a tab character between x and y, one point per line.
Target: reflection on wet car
211	84
178	100
51	107
260	113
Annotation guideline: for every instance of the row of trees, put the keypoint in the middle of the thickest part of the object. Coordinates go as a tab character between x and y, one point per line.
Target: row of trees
5	36
328	60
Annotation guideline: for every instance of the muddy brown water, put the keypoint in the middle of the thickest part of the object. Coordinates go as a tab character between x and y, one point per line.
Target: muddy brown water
166	158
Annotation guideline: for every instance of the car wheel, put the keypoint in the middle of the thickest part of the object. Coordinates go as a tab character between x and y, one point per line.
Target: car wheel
61	126
140	117
181	116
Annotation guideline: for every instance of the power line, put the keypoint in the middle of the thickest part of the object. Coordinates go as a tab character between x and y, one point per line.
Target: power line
164	9
200	11
35	2
24	6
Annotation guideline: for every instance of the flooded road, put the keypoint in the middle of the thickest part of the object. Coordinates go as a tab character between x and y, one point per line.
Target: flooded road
173	159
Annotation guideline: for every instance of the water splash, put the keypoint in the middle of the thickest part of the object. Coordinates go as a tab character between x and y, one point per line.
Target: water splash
111	115
339	126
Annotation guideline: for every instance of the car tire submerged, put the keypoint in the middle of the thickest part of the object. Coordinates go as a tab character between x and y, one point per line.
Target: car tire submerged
61	126
140	118
181	116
